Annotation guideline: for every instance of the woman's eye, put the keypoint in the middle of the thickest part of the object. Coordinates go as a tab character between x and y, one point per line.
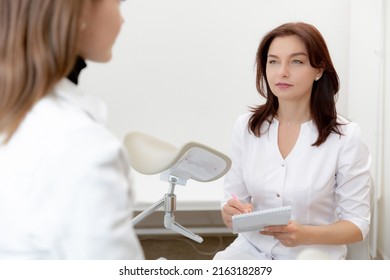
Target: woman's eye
296	61
272	61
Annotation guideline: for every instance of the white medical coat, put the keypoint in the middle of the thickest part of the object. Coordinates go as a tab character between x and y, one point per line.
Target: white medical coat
322	184
64	184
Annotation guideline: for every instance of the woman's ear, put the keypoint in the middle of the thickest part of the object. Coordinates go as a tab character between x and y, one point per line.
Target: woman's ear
85	14
319	74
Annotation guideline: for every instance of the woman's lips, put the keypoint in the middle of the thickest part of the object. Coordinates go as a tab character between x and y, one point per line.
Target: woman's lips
283	85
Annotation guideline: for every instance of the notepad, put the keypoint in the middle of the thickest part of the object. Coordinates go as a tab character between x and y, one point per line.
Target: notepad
260	219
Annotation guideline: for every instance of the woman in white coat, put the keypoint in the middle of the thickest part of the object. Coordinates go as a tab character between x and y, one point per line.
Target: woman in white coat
295	150
64	185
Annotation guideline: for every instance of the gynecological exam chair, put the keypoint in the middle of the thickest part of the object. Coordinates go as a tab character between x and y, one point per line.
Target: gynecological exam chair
176	166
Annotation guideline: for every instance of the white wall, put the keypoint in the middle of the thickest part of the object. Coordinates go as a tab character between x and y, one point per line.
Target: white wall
184	70
193	61
384	203
366	92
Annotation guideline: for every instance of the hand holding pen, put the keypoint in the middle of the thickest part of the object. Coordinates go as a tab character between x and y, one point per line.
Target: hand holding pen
234	207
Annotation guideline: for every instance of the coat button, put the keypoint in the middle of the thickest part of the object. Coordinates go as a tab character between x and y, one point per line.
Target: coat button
277	195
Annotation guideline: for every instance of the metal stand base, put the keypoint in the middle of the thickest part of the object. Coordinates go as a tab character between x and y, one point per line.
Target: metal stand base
169	204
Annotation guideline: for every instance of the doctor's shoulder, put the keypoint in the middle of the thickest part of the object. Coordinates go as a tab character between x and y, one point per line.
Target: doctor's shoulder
349	129
351	139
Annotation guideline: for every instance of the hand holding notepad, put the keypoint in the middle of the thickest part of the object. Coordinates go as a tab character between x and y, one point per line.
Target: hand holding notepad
260	219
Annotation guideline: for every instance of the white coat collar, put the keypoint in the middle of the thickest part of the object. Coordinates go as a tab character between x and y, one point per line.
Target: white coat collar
92	105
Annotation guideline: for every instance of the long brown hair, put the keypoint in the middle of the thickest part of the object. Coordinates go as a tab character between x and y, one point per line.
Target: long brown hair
324	92
38	47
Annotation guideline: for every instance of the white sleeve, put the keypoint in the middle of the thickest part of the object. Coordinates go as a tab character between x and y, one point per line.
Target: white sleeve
234	181
353	179
87	173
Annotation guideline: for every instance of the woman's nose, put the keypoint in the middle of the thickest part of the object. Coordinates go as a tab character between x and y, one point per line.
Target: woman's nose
284	70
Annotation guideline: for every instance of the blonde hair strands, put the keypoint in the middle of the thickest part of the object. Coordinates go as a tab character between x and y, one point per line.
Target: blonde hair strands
38	47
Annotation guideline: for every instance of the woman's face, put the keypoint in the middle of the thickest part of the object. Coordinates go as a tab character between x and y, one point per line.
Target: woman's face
100	25
288	70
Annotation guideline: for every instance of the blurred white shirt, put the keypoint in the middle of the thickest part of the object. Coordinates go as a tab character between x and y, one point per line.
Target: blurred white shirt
64	184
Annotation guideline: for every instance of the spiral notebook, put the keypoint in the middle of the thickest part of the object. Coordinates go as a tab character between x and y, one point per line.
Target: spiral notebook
260	219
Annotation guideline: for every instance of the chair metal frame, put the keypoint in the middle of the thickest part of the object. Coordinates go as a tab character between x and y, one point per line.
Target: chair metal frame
150	155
